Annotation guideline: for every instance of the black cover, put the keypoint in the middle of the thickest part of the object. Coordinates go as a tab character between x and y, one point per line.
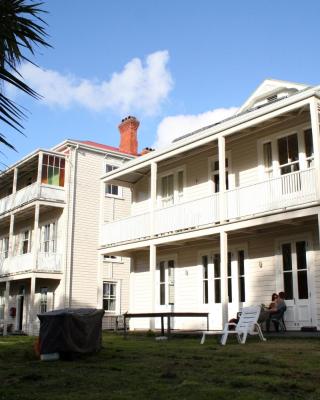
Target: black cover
71	331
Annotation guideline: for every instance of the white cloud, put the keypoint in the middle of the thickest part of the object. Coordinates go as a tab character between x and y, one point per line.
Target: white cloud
179	125
140	86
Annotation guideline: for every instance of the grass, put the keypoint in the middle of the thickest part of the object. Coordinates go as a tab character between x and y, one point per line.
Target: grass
143	368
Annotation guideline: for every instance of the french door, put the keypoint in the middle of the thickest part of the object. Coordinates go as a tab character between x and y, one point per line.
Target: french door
296	282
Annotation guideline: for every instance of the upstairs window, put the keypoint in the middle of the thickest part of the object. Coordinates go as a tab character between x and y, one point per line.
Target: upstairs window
172	187
308	141
26	242
49	238
214	172
53	170
110	167
113	190
4	247
288	154
267	158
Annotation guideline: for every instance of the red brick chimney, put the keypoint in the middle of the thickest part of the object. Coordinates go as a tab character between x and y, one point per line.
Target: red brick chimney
128	135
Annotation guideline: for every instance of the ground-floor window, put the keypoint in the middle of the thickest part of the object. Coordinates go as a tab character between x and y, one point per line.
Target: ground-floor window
167	282
109	296
2	298
241	280
43	300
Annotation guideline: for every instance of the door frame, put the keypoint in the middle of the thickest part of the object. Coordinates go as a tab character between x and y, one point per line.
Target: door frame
308	237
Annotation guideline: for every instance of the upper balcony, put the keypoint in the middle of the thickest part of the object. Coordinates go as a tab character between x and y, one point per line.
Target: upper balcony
26	263
273	195
259	163
37	177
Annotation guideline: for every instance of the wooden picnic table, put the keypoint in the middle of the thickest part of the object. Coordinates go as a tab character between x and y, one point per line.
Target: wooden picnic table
163	315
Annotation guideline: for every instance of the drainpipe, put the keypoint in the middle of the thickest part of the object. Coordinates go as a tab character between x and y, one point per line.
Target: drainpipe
70	226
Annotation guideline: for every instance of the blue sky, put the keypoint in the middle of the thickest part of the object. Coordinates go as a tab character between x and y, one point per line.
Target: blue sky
173	64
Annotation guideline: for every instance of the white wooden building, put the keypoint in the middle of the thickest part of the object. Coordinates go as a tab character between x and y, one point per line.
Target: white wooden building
49	234
227	215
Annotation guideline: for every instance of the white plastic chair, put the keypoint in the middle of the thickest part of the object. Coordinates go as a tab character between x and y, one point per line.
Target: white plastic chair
247	325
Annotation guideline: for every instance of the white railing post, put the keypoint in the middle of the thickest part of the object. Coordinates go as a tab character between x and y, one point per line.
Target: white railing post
153	196
222	177
314	115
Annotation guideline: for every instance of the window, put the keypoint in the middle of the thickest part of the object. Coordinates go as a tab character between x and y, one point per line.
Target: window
308	142
172	188
43	299
113	259
4	247
302	271
113	190
167	282
109	296
287	270
214	171
229	272
167	190
217	278
162	283
288	154
53	170
110	167
26	242
267	158
205	279
2	300
242	287
49	238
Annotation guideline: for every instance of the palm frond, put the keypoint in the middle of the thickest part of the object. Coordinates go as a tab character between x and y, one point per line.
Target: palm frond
22	30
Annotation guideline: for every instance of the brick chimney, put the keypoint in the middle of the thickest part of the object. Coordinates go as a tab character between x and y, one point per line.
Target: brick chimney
128	135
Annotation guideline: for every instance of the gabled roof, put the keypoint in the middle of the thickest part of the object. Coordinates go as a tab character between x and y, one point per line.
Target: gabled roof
93	145
269	88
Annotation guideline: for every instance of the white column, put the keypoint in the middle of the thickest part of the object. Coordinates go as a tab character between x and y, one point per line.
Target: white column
11	231
153	195
15	179
6	309
222	177
314	115
153	266
36	238
224	275
32	304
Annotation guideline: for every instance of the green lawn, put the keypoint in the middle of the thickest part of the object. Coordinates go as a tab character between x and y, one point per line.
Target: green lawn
181	368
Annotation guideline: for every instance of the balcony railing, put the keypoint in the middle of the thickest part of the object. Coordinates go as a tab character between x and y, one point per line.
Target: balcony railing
45	262
35	191
288	190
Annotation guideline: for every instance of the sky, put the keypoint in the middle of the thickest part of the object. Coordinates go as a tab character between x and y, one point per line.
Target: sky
176	65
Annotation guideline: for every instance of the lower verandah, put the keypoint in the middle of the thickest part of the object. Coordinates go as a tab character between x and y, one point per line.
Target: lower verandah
261	260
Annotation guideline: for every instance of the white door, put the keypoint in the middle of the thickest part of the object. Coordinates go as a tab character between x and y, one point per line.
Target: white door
295	283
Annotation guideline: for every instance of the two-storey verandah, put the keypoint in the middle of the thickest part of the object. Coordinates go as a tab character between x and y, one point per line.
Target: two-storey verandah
32	201
293	194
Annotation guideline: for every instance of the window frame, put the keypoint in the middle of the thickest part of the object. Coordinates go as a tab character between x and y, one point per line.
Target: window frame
178	196
302	161
5	245
53	237
115	297
229	173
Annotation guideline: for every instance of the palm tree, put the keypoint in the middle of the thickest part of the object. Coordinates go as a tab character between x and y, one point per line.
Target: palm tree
21	30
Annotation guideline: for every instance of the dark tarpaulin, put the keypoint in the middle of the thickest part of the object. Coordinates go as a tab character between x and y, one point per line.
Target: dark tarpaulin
71	331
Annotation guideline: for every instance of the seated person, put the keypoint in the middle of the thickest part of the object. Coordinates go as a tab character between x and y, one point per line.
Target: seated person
274	301
277	312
